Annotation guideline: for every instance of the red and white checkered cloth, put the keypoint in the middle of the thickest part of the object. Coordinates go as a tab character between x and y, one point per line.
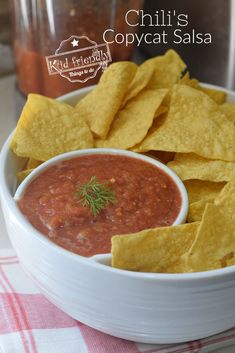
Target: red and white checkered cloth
29	323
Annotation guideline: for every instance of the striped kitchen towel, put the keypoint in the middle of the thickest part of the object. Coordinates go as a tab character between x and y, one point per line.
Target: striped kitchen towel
29	323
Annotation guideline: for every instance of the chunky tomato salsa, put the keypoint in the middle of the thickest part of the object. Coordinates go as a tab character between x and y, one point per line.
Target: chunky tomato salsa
59	201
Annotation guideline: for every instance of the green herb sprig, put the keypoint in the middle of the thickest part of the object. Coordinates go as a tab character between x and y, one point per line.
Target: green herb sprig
95	195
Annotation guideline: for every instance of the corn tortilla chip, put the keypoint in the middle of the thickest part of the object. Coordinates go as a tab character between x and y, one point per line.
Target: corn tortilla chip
140	81
100	106
194	124
214	244
32	163
196	210
202	190
132	123
192	82
223	197
161	110
168	69
218	96
159	72
191	166
152	250
47	128
215	239
229	110
23	174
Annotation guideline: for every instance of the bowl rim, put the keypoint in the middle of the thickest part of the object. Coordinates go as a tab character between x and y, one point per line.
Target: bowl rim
160	277
110	151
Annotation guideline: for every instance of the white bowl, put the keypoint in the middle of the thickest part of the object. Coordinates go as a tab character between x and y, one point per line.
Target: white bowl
62	157
144	307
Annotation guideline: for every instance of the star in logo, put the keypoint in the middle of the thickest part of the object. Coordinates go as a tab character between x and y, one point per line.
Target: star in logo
74	43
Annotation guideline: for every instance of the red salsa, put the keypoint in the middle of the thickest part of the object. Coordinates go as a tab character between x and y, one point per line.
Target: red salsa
145	197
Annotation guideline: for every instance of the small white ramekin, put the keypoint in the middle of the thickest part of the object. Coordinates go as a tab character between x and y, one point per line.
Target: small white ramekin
184	197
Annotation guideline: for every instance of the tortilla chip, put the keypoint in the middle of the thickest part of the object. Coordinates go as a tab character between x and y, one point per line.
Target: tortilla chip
47	128
100	106
152	250
140	81
196	210
229	110
218	97
23	174
32	163
202	190
132	123
229	260
192	82
215	239
161	110
191	166
168	69
200	193
158	72
223	198
194	124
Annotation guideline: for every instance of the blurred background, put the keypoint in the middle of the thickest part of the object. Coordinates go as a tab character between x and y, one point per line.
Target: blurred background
31	29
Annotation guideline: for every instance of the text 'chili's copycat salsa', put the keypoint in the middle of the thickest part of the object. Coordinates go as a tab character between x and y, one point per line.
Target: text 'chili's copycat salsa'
82	202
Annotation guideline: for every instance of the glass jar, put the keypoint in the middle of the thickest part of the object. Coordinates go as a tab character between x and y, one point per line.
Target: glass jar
41	25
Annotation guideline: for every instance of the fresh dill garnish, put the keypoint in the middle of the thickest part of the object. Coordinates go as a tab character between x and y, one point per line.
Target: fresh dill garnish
95	195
